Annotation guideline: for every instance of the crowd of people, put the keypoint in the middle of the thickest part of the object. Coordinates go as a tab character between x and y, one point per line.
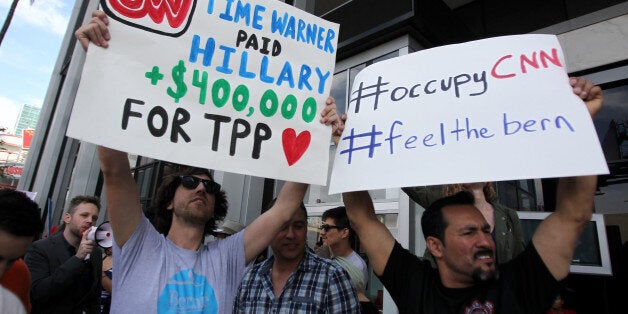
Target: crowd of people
475	262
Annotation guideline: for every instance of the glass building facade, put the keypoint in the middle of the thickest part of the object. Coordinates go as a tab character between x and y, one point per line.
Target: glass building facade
27	119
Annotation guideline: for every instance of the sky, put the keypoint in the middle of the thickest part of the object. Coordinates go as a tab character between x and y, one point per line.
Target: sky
29	52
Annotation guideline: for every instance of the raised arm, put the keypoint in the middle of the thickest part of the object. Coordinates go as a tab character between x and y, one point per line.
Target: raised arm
123	202
375	238
556	237
259	234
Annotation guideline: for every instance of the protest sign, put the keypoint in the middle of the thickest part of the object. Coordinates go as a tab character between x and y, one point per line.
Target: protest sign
489	110
229	85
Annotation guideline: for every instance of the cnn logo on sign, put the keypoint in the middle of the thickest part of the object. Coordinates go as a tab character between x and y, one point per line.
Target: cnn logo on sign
164	17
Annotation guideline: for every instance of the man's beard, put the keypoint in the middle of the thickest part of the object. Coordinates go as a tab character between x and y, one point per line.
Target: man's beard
75	231
193	219
480	275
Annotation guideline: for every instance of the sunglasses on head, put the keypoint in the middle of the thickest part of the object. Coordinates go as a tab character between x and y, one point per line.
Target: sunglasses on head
191	182
327	227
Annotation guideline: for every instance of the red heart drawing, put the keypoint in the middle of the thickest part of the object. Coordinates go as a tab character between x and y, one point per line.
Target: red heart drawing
294	146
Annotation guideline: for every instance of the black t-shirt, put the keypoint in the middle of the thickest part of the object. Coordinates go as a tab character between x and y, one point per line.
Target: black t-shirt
525	285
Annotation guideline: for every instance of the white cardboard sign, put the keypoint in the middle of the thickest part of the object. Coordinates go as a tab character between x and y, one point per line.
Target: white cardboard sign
488	110
229	85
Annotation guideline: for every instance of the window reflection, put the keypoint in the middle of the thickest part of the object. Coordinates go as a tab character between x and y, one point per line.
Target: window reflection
611	125
320	194
323	7
339	91
340	88
518	195
355	70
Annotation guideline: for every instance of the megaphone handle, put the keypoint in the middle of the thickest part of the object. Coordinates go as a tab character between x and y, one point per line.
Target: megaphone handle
91	235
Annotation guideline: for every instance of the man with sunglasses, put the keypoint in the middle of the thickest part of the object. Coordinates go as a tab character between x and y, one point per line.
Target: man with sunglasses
337	235
295	279
167	268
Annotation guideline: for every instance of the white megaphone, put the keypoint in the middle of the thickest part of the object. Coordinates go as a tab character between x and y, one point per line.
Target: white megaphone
102	235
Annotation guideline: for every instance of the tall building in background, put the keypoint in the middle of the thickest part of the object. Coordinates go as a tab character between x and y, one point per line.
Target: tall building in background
27	119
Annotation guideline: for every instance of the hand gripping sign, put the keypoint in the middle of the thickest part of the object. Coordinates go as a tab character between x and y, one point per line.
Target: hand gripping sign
231	85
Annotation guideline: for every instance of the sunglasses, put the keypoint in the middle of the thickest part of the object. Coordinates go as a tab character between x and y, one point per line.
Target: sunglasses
327	227
191	182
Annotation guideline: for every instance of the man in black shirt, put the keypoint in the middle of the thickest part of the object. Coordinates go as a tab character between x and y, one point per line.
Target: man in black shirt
66	267
467	278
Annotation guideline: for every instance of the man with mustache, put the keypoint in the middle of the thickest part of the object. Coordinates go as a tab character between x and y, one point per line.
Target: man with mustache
167	268
66	267
467	278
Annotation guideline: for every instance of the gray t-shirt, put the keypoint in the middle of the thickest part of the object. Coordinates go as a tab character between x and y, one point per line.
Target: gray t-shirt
358	262
153	275
10	303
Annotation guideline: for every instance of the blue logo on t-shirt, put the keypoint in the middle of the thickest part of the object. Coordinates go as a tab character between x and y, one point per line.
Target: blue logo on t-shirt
187	292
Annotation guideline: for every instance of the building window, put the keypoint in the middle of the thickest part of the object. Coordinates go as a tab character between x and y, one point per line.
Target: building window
145	175
323	7
343	80
340	89
518	195
611	124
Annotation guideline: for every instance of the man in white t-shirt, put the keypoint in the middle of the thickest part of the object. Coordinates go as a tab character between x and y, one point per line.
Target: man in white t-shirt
337	234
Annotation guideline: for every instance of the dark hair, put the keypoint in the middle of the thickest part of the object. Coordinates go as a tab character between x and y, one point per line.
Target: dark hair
489	190
162	219
433	222
80	199
274	200
19	215
339	215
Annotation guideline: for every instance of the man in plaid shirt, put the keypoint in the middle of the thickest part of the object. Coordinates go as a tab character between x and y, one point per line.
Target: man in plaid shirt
295	279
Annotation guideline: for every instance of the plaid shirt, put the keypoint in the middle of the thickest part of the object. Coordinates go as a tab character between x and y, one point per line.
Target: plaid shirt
316	286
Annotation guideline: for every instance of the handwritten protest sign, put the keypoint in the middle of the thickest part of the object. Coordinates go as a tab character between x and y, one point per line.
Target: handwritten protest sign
230	85
488	110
